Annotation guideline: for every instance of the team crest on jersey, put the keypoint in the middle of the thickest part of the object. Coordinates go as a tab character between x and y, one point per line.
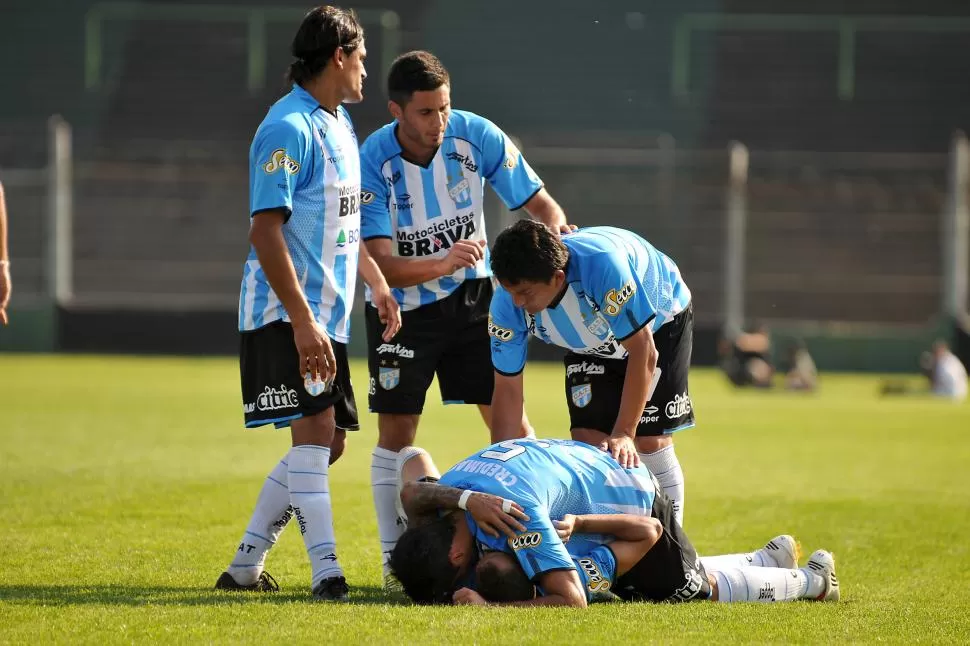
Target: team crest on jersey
597	325
389	378
279	159
459	190
582	395
366	197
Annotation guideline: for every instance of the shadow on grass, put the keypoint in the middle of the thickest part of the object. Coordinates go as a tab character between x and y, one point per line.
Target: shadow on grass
135	595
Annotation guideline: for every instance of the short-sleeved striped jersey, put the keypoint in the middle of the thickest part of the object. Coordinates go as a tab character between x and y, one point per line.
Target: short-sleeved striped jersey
425	209
616	283
551	478
304	160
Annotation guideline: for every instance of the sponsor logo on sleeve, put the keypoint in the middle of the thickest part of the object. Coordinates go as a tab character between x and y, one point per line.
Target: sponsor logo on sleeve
615	298
280	159
500	333
526	541
511	156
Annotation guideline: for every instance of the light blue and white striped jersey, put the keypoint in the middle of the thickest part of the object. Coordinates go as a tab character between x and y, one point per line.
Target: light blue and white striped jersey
616	283
549	479
304	160
424	209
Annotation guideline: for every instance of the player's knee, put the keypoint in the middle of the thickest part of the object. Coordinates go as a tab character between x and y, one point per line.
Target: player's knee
337	445
317	430
396	431
652	444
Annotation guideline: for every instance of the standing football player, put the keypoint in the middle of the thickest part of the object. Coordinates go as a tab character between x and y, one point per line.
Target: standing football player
423	221
622	310
297	294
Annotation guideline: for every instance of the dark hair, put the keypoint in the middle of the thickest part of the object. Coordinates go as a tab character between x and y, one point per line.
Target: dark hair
420	561
528	250
323	30
417	71
502	579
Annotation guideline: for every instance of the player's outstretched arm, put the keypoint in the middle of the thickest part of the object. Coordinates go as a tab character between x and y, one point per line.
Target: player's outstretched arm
408	272
641	363
508	408
543	208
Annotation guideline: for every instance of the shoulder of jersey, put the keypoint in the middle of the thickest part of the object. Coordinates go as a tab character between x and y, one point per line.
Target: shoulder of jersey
281	116
467	125
380	144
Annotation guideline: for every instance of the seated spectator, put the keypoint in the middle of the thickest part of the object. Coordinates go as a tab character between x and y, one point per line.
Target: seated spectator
746	359
802	374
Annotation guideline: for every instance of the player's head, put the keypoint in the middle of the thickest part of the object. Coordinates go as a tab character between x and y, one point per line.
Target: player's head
501	579
330	37
430	560
529	259
419	90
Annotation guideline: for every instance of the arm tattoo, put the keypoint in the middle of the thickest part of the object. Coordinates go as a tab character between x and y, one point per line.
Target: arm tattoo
421	500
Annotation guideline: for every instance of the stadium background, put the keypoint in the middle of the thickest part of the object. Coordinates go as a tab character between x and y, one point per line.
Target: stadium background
627	111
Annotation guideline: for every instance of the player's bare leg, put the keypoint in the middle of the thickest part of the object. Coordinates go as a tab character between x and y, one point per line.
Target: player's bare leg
395	432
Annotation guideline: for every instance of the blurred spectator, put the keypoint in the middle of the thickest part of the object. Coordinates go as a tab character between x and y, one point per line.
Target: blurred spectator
746	359
947	375
802	374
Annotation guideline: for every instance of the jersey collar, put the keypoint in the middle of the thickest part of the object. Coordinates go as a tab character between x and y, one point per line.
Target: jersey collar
565	285
312	104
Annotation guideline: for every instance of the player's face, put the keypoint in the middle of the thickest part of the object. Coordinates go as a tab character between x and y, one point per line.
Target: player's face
534	297
424	119
462	551
353	74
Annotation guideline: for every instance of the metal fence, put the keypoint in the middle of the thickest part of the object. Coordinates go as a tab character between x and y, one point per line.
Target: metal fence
849	238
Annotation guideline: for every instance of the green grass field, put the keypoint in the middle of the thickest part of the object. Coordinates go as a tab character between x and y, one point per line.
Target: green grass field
126	483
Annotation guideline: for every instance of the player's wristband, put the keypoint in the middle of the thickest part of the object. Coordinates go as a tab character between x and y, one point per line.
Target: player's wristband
463	500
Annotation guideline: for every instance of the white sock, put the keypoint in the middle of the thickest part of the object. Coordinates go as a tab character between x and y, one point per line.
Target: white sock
766	584
759	558
666	467
383	484
310	497
268	521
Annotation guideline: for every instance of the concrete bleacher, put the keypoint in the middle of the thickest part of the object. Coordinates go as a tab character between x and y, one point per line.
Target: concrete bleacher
161	183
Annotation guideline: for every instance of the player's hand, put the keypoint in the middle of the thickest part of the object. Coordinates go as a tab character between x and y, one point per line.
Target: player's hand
5	288
463	254
316	353
468	597
565	527
623	450
567	228
489	513
388	310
